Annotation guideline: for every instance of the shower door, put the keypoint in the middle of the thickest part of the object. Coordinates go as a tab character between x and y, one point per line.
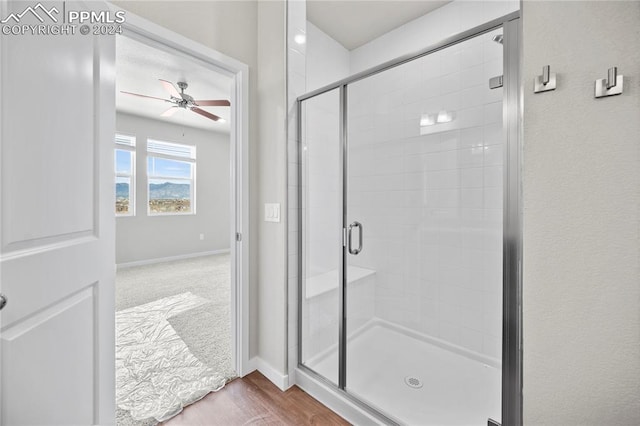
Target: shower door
321	236
424	183
402	198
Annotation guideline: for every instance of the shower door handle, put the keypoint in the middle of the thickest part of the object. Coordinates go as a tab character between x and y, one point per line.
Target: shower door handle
349	239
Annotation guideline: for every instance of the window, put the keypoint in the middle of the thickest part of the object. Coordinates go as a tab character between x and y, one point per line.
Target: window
171	173
125	165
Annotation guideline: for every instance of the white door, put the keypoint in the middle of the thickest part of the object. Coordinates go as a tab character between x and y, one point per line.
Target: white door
57	222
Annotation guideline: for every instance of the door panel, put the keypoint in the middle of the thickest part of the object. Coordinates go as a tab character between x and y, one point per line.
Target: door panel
51	183
38	342
424	290
322	237
57	225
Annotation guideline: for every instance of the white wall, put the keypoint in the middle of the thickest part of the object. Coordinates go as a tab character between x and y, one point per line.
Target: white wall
272	151
581	214
448	20
144	237
327	60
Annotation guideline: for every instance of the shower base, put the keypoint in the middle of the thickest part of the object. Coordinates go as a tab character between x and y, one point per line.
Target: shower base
416	381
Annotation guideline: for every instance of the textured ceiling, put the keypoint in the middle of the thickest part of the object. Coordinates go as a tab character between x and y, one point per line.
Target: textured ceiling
356	22
138	68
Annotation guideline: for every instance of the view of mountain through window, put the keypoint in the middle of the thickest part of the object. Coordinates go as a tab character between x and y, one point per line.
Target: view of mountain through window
125	174
171	177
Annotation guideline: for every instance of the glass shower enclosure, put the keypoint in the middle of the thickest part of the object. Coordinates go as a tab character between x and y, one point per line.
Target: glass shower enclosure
408	177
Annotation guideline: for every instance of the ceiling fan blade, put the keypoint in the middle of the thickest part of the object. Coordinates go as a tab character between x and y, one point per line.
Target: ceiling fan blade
169	112
215	102
143	96
169	87
207	114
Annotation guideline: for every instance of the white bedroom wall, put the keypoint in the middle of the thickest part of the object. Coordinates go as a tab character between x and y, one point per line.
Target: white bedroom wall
581	189
143	237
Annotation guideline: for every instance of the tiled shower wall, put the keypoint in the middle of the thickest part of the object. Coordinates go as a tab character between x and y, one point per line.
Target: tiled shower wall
327	61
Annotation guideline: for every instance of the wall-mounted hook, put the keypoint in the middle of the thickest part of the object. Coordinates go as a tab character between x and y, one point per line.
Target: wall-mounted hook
546	71
546	81
612	85
612	76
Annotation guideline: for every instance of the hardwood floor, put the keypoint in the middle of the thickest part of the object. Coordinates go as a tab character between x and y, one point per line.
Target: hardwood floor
254	400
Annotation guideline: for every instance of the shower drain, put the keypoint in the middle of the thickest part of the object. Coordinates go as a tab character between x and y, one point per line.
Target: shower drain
413	382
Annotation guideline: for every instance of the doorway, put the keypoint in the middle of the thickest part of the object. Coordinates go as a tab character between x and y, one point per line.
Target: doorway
179	201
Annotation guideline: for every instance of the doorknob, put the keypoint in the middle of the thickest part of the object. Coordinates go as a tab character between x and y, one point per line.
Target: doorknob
3	301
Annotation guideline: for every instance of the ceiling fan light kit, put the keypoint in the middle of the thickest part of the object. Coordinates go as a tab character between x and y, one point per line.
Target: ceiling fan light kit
181	100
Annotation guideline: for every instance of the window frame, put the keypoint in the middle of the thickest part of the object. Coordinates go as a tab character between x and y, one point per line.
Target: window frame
191	160
131	149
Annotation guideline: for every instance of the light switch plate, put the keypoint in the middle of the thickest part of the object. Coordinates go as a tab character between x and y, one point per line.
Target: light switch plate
272	212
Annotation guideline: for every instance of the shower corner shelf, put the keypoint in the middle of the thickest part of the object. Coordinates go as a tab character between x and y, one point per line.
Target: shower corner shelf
328	281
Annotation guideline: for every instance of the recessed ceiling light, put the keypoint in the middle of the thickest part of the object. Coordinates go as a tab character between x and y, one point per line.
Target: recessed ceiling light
300	38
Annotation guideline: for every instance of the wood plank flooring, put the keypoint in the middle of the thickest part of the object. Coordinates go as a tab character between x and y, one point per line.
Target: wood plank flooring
254	400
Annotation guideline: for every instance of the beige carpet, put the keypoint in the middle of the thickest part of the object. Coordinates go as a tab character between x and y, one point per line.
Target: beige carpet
206	329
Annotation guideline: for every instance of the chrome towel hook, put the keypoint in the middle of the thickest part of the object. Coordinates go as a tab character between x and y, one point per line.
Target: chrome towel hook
546	81
612	85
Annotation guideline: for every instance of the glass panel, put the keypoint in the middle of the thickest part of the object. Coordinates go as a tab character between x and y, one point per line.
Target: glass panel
169	196
425	181
168	168
123	195
123	162
321	223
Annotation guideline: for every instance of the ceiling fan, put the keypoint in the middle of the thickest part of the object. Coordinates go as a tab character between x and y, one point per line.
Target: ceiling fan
184	101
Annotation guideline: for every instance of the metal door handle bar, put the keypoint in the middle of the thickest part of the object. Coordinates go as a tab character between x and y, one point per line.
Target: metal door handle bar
360	229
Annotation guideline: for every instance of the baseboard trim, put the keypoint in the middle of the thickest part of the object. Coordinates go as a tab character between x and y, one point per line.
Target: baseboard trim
170	258
274	376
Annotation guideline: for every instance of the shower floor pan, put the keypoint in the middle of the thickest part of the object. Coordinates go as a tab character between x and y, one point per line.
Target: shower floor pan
414	381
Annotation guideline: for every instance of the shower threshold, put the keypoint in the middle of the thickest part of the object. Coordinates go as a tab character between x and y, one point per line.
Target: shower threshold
416	380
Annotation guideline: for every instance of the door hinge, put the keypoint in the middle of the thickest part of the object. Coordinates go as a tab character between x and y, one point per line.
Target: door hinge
238	236
344	237
495	82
